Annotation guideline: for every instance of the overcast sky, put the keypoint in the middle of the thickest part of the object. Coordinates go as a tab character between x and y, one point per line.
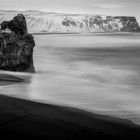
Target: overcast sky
104	7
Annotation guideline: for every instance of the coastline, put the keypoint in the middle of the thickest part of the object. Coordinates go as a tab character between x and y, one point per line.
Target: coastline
80	33
26	119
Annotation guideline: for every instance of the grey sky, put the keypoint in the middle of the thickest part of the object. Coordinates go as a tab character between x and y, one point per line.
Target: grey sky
104	7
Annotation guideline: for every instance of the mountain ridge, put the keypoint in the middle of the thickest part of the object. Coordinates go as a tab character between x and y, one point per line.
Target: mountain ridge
40	22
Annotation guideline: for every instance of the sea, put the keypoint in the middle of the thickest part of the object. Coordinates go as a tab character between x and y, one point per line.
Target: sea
96	72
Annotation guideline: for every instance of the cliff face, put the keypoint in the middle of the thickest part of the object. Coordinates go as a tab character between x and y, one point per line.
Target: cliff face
103	24
16	45
52	22
80	23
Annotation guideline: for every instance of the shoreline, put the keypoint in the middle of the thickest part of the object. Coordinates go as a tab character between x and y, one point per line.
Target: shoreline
96	33
27	119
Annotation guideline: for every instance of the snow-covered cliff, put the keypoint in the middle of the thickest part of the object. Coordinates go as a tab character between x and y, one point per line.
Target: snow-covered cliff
52	22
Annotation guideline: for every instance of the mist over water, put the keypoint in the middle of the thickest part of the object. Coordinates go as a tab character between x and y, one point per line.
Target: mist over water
96	72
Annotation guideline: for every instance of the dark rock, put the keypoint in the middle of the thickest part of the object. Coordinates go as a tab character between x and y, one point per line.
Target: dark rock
17	25
16	45
129	24
4	25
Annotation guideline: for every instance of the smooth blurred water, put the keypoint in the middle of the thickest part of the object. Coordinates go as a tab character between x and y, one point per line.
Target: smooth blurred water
96	72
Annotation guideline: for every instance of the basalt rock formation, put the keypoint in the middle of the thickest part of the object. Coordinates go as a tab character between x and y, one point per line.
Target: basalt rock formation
16	45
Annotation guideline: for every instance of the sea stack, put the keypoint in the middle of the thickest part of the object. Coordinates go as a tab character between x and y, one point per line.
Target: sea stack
16	45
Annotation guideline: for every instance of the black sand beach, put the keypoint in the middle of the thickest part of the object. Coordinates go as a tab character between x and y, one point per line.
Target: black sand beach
21	119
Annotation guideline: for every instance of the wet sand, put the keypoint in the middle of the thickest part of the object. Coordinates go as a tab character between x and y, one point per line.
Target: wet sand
20	119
